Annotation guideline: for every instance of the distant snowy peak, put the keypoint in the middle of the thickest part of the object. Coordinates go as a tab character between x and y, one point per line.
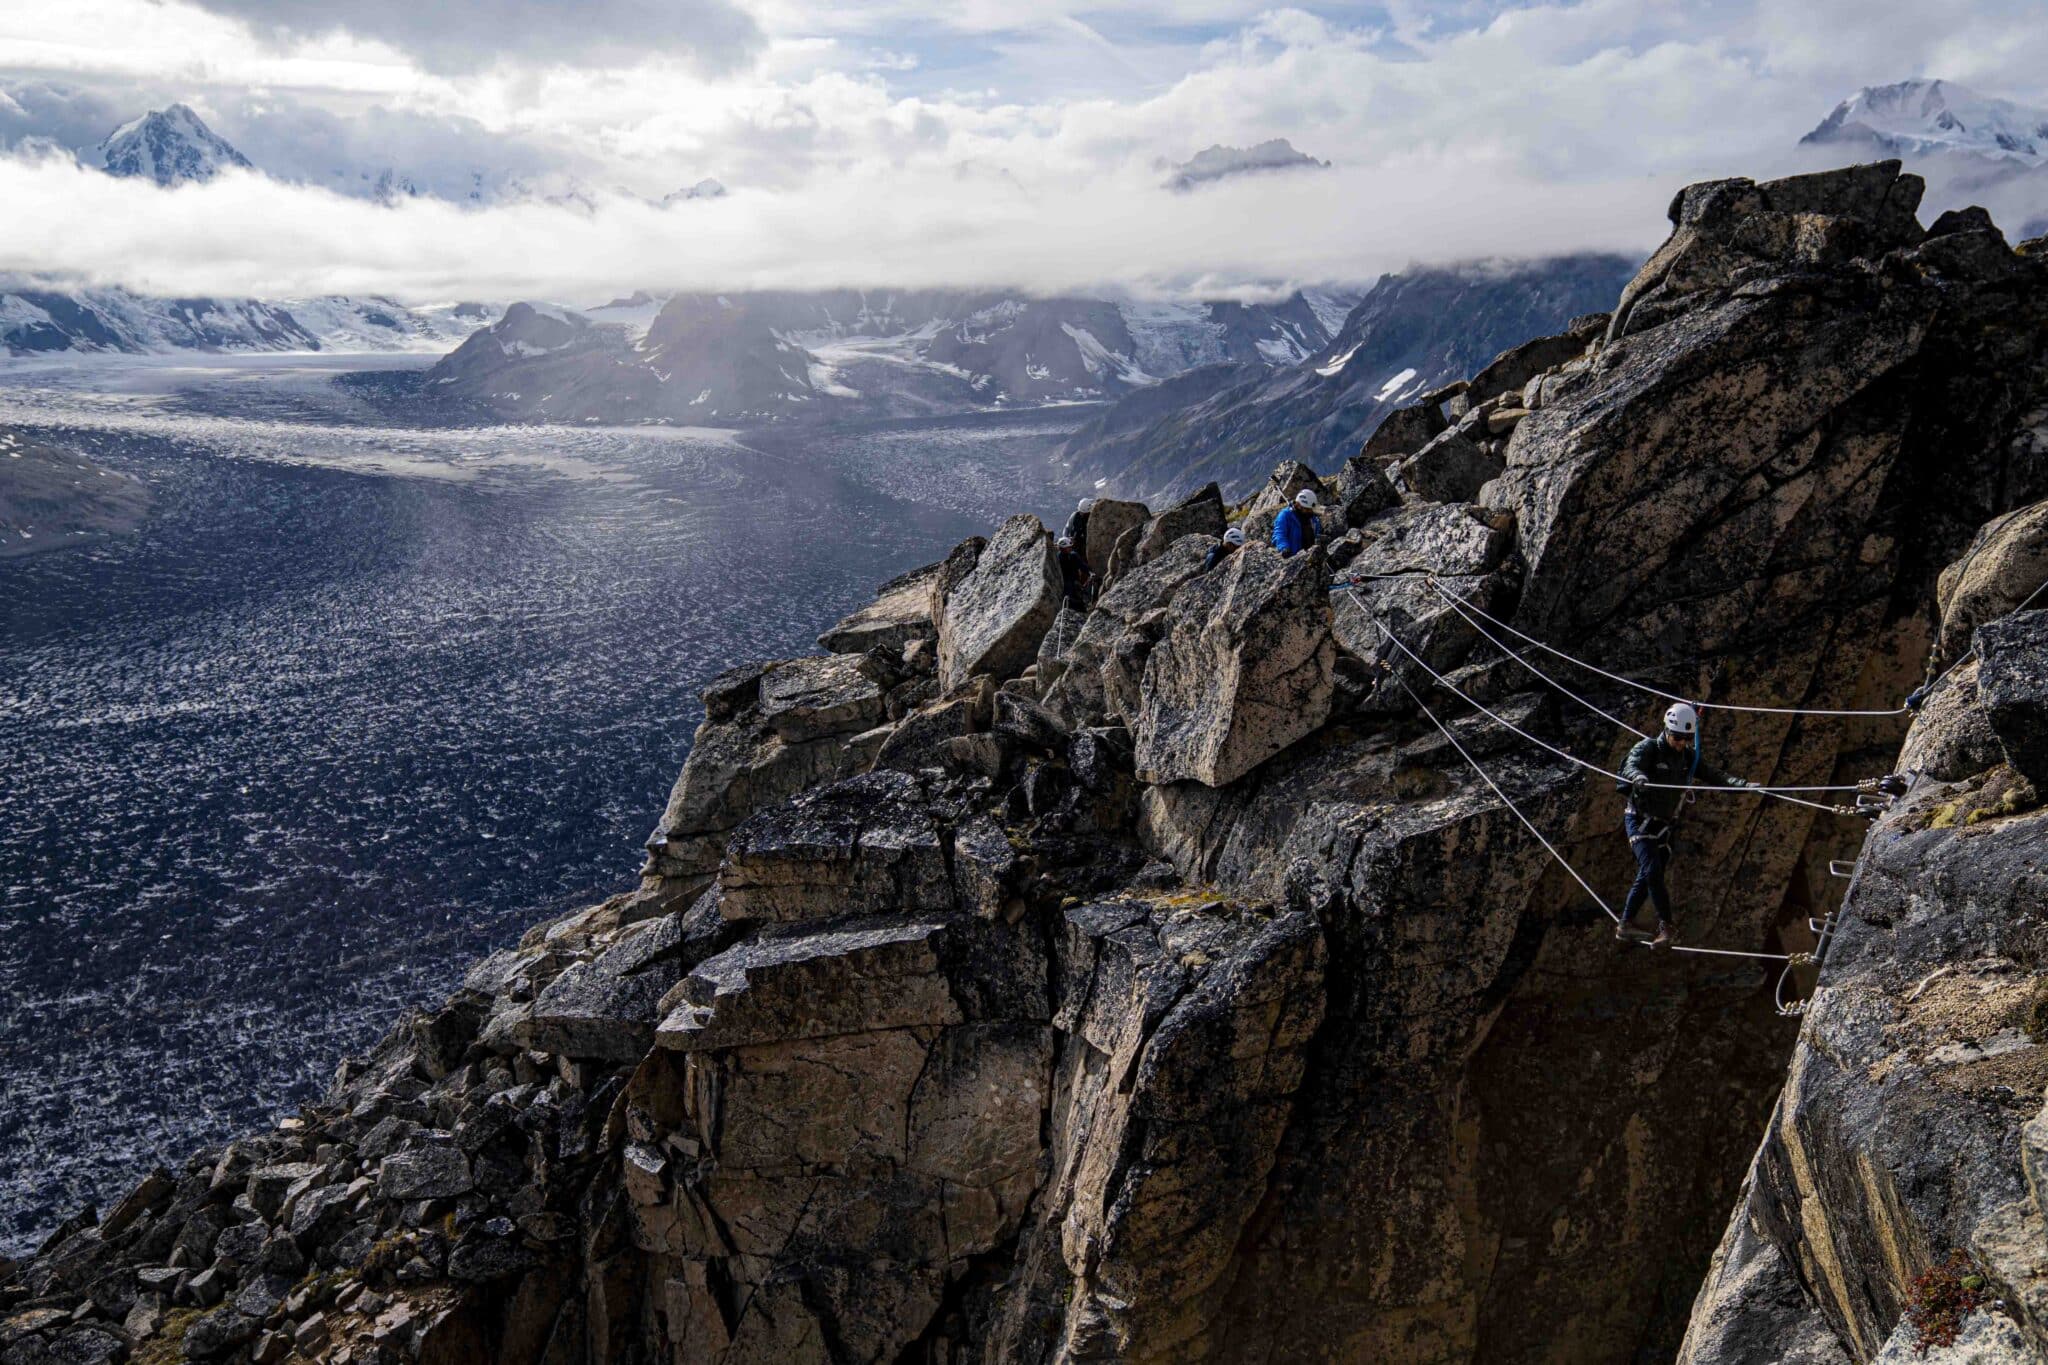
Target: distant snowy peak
170	146
1220	162
1924	117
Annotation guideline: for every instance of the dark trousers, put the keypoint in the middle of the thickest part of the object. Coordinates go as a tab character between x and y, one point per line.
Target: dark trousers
1651	840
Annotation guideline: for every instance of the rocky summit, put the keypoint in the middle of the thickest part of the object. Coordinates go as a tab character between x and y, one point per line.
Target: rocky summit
1205	975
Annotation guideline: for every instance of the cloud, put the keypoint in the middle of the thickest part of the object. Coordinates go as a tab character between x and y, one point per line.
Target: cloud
994	145
714	35
245	235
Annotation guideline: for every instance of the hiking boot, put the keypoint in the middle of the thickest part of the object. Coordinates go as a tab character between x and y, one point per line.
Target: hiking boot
1625	931
1665	938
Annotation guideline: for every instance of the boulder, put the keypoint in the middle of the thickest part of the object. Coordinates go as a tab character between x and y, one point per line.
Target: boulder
1199	513
1402	432
605	1009
1288	478
857	976
864	845
1242	671
427	1170
2012	688
1450	468
900	613
739	763
1108	523
807	699
1513	368
992	619
2007	562
1108	654
1363	490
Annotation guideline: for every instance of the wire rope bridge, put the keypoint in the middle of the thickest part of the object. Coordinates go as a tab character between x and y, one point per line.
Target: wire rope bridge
1871	798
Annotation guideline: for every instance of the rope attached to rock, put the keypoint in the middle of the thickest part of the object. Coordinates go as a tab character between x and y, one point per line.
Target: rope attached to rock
1438	588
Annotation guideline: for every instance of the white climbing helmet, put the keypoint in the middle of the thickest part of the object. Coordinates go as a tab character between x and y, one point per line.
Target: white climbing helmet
1681	719
1087	504
1066	542
1234	536
1305	498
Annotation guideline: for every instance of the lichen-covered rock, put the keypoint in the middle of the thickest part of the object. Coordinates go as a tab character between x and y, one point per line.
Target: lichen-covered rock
1904	1130
1242	670
992	619
805	699
1363	490
605	1008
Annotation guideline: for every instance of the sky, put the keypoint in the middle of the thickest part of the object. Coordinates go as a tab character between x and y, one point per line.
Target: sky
900	143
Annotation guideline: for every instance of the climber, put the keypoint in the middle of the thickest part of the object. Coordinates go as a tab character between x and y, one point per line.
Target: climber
1656	771
1075	579
1297	527
1077	524
1223	549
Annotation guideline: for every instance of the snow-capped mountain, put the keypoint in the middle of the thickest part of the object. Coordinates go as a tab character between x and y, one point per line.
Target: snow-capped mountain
38	321
749	357
1219	162
170	146
1926	117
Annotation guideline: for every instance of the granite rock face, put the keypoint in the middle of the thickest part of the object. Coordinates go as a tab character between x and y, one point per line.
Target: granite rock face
1242	671
1161	983
992	619
1912	1123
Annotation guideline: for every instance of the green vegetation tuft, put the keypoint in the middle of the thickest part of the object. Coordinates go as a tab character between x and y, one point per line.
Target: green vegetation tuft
1941	1296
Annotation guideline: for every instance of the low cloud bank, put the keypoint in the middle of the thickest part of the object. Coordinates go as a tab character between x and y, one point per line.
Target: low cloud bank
248	235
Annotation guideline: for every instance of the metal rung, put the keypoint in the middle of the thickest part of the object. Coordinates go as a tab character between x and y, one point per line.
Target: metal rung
1873	803
1840	868
1817	927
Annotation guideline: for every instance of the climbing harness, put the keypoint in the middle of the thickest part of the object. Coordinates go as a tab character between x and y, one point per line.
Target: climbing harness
1437	588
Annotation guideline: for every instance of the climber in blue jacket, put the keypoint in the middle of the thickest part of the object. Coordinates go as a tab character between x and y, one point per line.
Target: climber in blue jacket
1297	527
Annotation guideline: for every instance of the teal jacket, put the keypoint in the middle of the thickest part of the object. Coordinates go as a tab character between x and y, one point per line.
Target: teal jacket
1655	762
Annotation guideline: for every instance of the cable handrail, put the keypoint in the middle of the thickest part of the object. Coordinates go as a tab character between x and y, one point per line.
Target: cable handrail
1551	848
1777	793
1437	588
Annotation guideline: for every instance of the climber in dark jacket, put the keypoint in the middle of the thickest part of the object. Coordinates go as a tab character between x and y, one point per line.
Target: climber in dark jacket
1297	527
1223	549
1654	776
1077	524
1075	579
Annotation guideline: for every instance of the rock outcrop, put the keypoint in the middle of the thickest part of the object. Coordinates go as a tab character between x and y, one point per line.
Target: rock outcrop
1912	1126
1160	983
992	619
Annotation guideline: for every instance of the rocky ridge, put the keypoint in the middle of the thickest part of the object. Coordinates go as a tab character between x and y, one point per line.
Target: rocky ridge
1156	983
